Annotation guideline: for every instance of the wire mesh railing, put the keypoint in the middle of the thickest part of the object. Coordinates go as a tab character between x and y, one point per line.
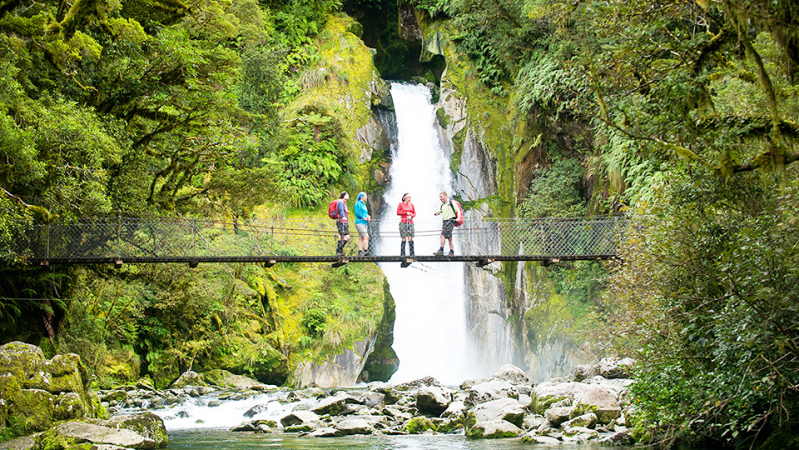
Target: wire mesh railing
160	238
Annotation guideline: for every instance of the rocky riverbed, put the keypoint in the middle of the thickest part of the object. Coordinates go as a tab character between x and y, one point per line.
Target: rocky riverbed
588	407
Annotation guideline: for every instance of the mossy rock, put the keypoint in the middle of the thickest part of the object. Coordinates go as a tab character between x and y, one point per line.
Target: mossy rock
419	425
539	405
450	426
145	424
34	409
115	396
298	429
69	406
53	440
25	363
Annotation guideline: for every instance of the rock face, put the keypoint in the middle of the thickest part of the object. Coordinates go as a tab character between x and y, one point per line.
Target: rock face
342	370
35	391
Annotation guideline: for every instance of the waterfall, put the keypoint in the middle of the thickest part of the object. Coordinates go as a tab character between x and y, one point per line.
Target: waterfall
430	332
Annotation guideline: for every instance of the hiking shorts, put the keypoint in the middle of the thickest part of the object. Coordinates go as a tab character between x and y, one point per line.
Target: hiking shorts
446	228
406	229
343	228
362	228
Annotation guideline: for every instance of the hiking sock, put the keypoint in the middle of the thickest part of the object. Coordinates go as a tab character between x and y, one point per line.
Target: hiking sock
410	247
339	247
402	249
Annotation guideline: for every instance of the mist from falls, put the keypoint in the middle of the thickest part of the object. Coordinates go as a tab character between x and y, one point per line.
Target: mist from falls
430	330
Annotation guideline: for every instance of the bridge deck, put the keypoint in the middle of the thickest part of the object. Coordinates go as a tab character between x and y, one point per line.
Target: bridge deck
176	240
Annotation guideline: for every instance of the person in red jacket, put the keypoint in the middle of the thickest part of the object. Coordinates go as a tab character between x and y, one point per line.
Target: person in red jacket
407	212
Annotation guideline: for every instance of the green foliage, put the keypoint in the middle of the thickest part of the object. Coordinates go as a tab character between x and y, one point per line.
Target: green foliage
555	191
314	158
313	320
708	296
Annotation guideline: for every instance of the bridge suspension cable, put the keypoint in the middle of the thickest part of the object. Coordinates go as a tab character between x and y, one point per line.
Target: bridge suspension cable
136	239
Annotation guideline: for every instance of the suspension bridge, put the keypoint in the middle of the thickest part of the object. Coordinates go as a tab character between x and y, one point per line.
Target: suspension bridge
125	240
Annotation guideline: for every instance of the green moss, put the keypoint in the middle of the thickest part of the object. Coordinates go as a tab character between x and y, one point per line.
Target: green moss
298	429
52	440
450	426
542	404
419	425
474	432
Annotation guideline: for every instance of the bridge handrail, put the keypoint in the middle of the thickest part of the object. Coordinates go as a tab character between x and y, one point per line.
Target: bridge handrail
159	237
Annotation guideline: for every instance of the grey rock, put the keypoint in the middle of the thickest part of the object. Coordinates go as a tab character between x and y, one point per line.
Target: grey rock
470	383
330	405
354	425
325	432
513	375
602	402
493	429
617	438
255	410
557	416
188	378
533	438
507	409
96	434
299	418
533	421
433	400
490	390
586	420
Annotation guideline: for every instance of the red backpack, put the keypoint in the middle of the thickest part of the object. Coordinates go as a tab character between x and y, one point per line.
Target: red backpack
332	208
458	212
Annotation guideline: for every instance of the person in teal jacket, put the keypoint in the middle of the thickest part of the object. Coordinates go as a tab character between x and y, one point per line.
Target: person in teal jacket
362	219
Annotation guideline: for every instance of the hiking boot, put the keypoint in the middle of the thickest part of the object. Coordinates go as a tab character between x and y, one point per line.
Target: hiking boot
452	253
439	253
360	252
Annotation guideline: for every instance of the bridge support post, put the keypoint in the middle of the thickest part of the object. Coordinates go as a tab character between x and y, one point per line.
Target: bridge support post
484	262
118	264
193	263
270	263
548	262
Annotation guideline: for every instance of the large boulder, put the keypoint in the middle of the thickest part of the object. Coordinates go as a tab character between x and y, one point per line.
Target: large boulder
81	432
601	402
300	418
551	392
506	409
493	389
36	391
513	375
354	425
433	400
614	368
493	429
146	424
188	378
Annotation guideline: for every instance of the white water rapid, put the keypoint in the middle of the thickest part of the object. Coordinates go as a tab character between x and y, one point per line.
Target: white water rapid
430	335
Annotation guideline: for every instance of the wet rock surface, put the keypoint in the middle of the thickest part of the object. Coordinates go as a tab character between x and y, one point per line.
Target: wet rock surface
507	405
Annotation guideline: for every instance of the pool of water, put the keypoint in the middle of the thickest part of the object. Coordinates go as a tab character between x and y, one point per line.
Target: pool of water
224	439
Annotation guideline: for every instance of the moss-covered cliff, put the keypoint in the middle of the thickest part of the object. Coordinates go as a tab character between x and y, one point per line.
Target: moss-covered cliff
499	152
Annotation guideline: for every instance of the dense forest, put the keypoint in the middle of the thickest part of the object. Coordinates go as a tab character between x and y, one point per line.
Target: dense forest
681	115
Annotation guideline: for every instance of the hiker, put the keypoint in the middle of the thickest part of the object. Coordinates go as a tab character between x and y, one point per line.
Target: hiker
342	223
450	214
362	219
407	212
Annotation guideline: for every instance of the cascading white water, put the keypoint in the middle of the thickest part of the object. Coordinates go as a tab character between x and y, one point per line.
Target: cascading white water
430	336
